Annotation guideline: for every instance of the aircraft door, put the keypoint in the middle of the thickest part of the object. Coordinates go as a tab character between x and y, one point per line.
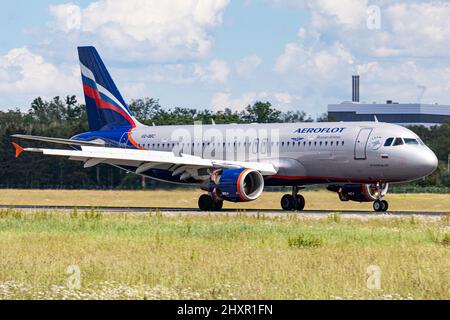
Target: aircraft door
361	143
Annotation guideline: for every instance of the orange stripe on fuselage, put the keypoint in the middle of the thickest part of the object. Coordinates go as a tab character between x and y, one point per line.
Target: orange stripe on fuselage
133	142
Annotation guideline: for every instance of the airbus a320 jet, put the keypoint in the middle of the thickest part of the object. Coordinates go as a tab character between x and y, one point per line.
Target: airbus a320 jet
235	162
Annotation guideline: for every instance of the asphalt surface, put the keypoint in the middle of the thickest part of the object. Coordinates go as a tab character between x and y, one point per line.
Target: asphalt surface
197	211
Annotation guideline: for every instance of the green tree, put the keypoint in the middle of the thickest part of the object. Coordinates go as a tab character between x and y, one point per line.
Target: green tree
261	112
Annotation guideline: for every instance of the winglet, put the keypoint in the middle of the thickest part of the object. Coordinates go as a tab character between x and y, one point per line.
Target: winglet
18	148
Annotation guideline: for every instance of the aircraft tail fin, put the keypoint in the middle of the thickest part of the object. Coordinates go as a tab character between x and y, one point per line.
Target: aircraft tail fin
106	108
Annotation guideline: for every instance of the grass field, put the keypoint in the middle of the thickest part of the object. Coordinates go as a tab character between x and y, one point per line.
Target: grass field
151	256
185	198
242	256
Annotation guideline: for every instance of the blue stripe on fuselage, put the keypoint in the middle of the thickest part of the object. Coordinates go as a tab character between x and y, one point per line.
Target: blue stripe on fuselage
114	137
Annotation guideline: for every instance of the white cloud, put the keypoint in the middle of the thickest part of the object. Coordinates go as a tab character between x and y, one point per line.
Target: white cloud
350	13
407	29
67	17
301	33
247	66
284	98
222	100
145	29
24	74
407	81
406	60
311	65
418	29
216	71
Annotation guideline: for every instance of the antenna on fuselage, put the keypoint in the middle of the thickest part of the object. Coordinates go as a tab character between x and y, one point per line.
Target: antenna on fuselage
376	119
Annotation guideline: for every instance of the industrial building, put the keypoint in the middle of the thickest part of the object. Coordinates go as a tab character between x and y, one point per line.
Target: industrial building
406	114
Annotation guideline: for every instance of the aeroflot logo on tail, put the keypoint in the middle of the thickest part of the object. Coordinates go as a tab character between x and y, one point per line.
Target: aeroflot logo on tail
319	130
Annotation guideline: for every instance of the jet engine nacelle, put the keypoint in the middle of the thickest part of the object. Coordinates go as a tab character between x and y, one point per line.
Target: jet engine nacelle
236	185
359	192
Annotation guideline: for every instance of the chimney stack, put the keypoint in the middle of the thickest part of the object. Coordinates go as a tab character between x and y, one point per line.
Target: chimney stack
355	89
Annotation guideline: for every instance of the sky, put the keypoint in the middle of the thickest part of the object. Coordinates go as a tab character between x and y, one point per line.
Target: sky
213	54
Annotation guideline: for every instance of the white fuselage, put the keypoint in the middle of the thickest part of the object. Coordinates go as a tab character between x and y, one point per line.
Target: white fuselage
304	153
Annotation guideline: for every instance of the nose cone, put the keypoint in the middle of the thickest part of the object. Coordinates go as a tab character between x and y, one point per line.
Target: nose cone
428	163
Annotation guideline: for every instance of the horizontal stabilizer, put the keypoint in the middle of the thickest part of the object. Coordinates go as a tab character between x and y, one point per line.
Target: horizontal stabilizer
97	143
18	148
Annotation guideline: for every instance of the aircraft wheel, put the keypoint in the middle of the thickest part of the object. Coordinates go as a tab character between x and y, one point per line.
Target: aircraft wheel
299	202
385	205
218	205
205	202
378	206
287	202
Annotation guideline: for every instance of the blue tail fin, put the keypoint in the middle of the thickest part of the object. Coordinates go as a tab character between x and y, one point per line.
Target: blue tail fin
106	108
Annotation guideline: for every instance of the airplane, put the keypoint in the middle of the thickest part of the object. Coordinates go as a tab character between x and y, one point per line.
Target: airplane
235	162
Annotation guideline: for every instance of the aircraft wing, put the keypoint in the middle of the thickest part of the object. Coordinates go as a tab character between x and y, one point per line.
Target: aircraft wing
60	141
186	166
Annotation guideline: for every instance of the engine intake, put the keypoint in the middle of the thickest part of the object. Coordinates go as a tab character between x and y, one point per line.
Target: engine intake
359	192
237	185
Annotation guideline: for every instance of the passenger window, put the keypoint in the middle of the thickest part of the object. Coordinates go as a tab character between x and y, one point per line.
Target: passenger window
388	142
410	141
398	142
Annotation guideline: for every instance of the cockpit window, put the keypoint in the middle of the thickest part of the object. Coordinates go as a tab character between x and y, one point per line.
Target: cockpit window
388	142
420	141
398	142
410	141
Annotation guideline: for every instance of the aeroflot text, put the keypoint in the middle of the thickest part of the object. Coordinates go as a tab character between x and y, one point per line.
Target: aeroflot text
319	130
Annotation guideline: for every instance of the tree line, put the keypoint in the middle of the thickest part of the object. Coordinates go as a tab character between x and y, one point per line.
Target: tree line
65	117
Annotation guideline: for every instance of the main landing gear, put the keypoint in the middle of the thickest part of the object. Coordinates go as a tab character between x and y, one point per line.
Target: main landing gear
293	202
207	203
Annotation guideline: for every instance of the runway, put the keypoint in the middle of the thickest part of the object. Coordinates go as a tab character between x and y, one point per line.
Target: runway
186	211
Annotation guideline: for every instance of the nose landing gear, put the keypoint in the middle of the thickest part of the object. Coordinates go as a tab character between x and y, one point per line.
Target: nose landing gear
293	202
380	206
